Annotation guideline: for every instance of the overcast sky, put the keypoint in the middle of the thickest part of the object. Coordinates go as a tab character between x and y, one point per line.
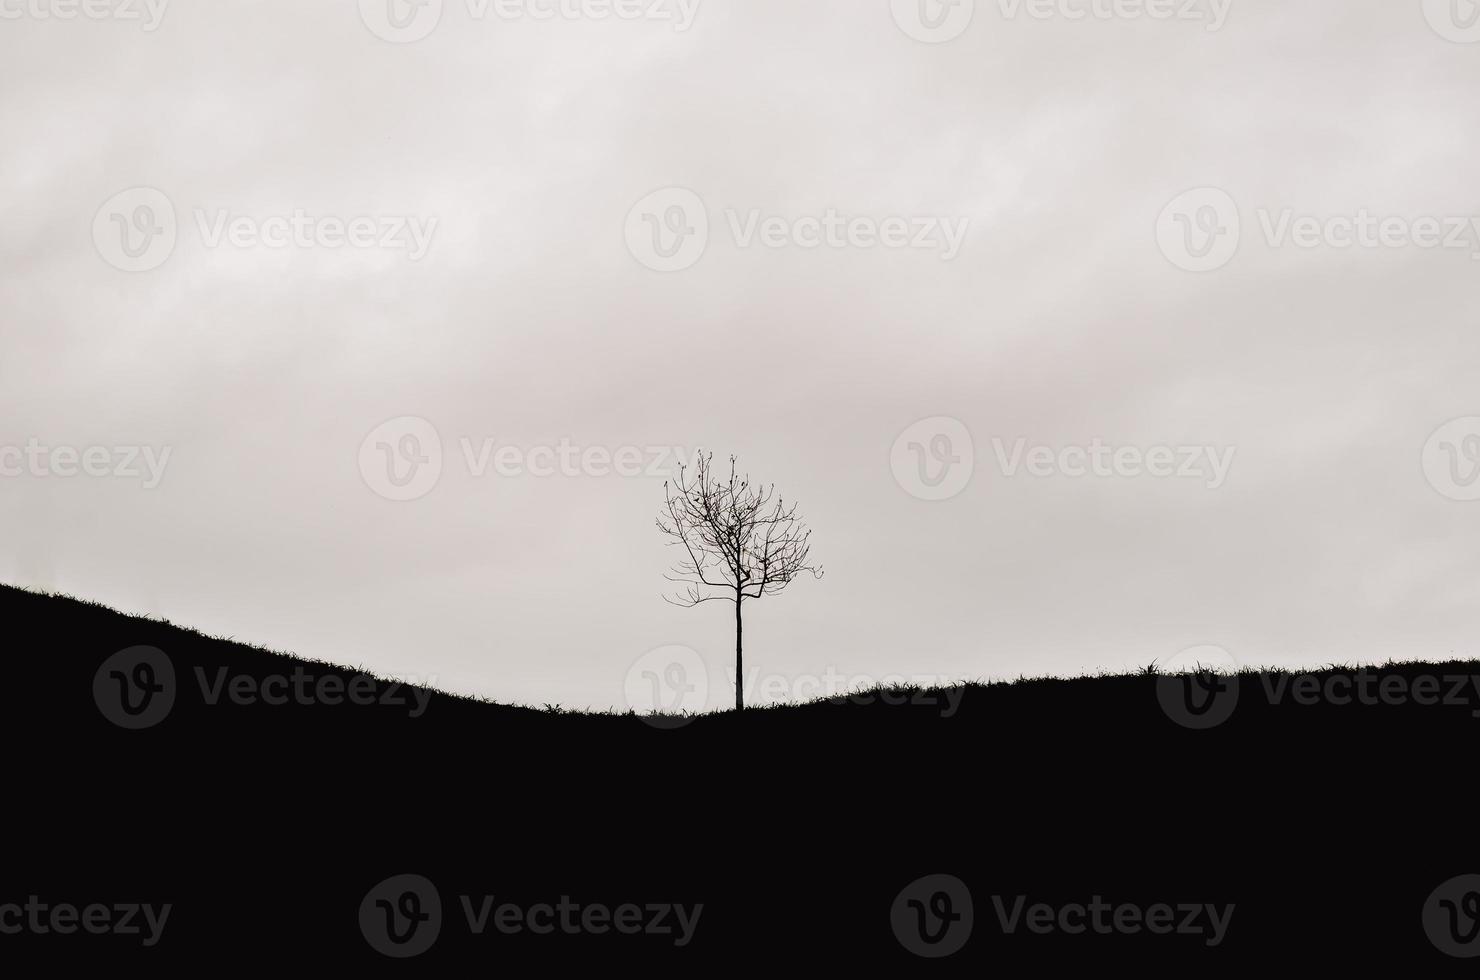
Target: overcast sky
306	287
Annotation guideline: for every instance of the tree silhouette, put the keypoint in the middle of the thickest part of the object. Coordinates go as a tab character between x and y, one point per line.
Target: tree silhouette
741	542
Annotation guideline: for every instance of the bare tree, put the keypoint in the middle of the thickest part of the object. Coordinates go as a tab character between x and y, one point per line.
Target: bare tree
740	542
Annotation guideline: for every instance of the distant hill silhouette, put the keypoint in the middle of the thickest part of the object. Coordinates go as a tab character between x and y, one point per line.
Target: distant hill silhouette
269	828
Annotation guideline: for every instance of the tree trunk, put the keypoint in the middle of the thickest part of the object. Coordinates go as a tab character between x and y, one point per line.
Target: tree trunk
739	690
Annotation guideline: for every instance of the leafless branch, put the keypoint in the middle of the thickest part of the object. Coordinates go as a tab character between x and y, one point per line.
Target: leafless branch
738	538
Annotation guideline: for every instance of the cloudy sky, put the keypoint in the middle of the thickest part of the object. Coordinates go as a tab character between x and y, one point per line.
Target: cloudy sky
1084	333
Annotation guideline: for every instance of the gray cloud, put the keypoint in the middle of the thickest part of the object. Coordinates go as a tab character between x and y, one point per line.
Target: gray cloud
530	321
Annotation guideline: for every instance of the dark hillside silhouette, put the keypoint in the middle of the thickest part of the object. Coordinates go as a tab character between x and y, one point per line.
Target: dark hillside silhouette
801	830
